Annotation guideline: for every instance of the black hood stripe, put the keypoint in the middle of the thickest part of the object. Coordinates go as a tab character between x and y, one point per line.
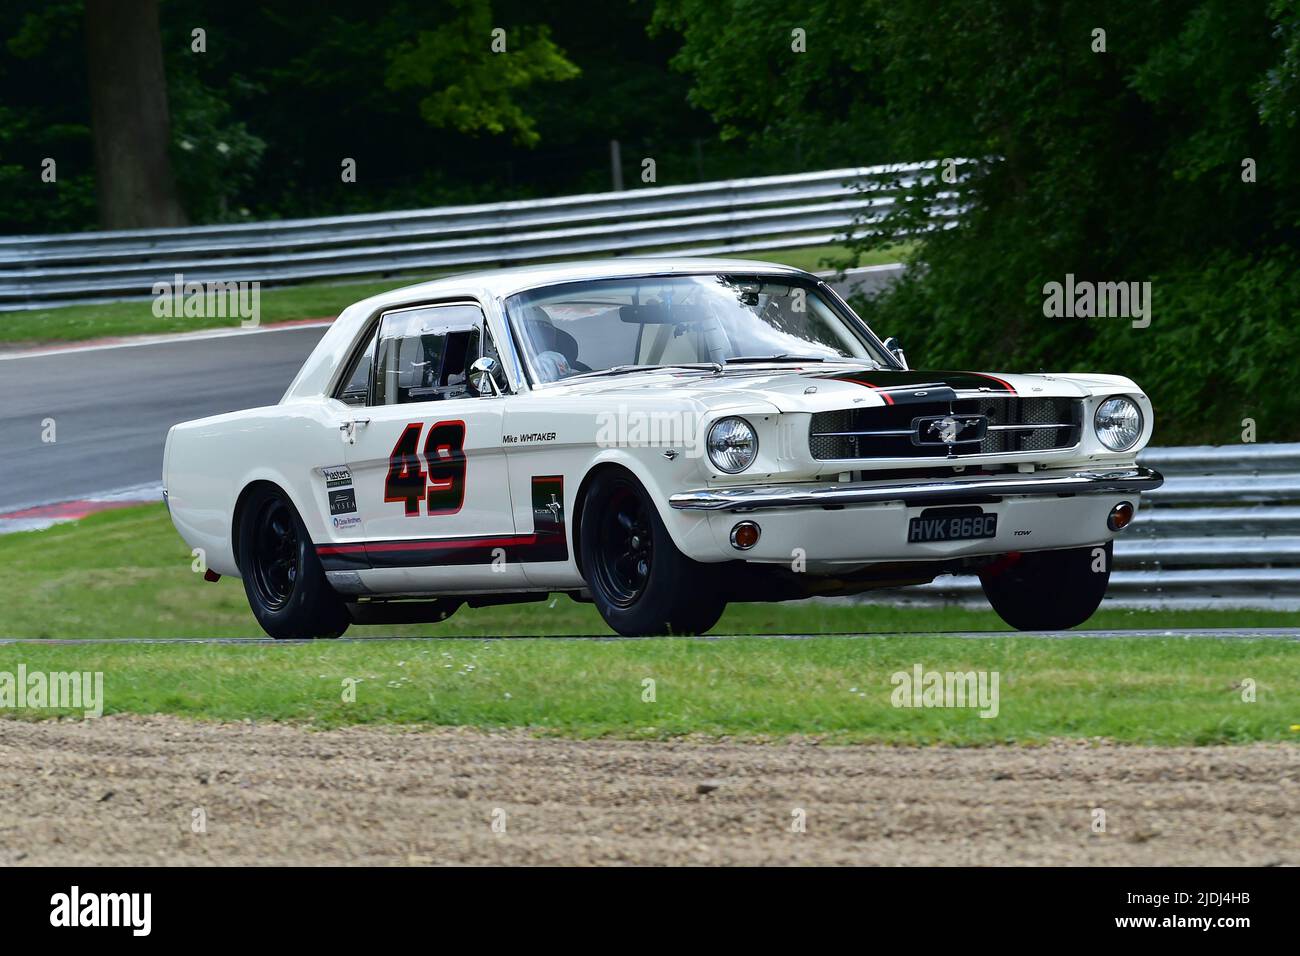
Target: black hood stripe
897	387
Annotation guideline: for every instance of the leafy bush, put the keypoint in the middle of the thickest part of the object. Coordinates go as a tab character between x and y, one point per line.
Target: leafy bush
1221	346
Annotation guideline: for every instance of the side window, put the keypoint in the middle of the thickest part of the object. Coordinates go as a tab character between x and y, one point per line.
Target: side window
424	354
355	389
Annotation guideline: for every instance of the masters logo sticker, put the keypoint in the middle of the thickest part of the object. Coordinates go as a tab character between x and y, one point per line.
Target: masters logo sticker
337	476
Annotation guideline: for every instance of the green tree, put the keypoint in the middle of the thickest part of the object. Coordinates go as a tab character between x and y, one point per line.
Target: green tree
470	69
747	73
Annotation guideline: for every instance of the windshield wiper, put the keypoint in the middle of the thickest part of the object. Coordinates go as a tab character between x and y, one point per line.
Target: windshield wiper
625	369
783	357
787	357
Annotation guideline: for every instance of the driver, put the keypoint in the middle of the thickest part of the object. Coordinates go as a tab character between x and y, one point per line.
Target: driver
555	352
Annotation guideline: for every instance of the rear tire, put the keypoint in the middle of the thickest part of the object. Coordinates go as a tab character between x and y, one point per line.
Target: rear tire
1048	590
699	618
283	577
641	584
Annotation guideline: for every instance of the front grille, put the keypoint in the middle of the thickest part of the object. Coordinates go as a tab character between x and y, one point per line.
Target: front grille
892	432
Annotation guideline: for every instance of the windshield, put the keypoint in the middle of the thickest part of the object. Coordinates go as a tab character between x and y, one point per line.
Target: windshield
582	327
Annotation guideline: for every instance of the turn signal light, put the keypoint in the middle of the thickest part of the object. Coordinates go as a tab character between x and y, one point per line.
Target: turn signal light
1120	516
744	535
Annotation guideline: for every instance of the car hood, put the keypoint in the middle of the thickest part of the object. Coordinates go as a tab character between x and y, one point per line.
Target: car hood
815	387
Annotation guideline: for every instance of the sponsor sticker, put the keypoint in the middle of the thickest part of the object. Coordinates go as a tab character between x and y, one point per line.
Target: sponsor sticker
343	501
337	476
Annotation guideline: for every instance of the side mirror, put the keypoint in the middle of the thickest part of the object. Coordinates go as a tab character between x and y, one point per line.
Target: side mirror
482	376
896	351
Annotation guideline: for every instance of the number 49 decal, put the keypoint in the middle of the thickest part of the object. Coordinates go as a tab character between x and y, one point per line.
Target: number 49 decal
442	487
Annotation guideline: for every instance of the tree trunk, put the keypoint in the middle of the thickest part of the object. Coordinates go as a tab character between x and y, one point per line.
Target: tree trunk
129	118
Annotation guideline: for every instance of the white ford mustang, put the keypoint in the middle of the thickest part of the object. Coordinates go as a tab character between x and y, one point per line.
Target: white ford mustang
659	437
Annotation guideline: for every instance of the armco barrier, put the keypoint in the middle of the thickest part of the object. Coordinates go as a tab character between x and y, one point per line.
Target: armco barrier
732	216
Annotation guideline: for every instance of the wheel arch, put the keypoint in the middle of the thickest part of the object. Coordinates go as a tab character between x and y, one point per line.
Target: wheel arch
689	531
241	502
580	502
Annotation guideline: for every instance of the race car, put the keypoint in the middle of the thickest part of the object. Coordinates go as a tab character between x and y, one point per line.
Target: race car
659	437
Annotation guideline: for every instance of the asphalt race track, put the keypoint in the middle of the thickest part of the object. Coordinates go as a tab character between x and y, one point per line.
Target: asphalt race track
112	406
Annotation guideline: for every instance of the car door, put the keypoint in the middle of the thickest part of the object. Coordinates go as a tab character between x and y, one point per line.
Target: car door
426	459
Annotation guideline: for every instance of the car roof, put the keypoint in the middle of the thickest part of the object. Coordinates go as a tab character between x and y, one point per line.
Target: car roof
504	282
314	376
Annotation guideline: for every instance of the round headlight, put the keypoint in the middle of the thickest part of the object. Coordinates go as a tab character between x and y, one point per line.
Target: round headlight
1118	423
733	445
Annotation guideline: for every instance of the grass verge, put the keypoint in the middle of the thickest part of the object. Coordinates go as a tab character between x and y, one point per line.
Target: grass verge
1166	691
127	573
287	303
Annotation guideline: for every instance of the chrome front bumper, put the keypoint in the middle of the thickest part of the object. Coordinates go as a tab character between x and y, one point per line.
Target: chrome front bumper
768	497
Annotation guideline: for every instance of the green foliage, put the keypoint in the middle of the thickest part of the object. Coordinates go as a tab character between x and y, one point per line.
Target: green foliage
1278	93
1219	349
748	76
1123	165
215	157
31	204
44	113
471	87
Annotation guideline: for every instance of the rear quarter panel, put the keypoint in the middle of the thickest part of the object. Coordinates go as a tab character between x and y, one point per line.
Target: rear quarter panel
210	461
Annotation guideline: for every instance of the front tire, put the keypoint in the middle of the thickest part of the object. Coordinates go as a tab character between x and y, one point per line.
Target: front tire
1049	590
283	577
641	584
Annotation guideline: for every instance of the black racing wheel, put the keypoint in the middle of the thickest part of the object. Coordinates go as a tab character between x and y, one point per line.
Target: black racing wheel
640	582
283	577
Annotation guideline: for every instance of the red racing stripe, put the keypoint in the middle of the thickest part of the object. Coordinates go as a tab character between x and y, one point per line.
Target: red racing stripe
1004	384
427	544
875	388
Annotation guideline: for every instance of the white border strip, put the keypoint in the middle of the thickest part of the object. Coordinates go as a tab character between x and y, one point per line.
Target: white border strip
171	337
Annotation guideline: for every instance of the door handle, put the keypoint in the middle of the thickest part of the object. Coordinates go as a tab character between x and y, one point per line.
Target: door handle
349	429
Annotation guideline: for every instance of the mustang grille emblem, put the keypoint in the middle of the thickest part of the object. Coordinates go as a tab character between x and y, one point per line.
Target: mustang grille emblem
949	430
